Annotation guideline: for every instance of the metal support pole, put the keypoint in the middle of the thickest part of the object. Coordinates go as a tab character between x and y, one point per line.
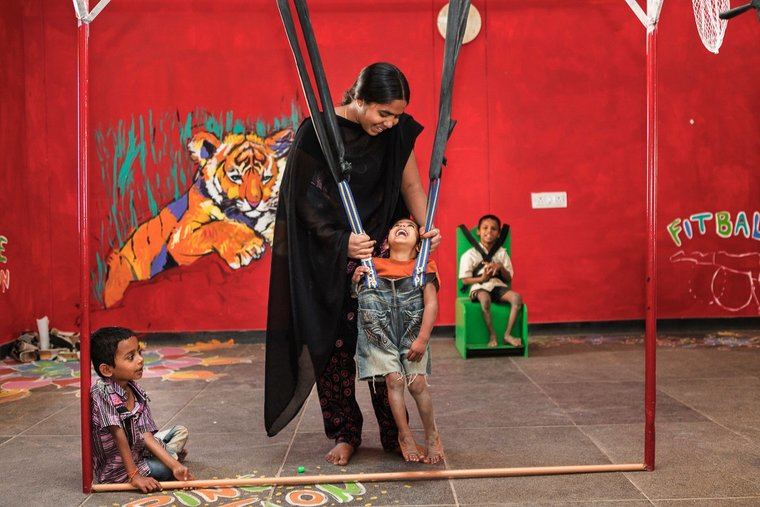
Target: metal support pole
650	346
84	254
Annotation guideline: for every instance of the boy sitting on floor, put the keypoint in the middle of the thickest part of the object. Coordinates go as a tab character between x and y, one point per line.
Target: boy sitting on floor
394	326
490	281
124	447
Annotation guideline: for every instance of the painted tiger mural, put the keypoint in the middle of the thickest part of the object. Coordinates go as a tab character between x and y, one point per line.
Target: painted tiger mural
229	209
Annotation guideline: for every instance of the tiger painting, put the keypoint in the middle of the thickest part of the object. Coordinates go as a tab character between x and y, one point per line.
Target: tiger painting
229	209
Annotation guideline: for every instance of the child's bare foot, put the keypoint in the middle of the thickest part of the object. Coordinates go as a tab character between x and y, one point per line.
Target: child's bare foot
515	342
492	342
434	449
340	454
411	452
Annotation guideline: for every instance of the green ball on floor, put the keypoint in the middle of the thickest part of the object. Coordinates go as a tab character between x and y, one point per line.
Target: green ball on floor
301	470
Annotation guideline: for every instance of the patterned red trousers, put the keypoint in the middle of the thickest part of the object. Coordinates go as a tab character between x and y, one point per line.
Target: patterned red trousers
337	391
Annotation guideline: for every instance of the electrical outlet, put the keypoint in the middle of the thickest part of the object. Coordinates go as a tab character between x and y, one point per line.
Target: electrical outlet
548	200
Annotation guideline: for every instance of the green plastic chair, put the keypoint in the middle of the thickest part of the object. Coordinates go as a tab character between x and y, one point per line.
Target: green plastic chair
470	332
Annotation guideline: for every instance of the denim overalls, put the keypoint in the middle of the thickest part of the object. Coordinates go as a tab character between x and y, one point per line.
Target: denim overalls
389	321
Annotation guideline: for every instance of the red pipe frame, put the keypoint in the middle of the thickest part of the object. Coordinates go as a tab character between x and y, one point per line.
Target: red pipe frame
84	288
83	88
650	342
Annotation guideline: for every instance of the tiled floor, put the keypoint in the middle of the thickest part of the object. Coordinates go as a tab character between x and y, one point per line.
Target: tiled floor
573	401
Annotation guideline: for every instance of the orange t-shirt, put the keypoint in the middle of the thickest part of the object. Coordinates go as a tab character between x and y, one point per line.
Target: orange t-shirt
390	268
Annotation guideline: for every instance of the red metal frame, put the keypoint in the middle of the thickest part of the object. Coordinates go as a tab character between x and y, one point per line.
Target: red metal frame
83	86
651	265
650	344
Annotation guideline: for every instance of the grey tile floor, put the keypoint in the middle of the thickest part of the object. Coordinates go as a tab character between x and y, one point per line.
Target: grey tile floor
576	401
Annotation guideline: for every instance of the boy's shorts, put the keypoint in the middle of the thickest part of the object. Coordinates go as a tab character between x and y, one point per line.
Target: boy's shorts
496	293
389	321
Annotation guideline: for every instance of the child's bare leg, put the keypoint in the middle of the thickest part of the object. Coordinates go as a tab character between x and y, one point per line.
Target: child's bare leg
515	300
484	298
419	391
395	383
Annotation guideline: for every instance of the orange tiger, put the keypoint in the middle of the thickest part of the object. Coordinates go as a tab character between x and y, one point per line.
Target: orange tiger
229	209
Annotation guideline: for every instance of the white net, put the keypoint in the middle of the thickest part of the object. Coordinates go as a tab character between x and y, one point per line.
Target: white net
711	28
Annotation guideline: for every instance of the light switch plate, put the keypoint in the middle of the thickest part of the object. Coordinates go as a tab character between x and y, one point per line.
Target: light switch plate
548	199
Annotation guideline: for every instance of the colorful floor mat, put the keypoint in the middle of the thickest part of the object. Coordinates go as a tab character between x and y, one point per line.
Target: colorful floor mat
176	364
266	496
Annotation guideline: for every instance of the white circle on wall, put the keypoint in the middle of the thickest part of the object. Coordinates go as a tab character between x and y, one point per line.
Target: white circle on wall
473	23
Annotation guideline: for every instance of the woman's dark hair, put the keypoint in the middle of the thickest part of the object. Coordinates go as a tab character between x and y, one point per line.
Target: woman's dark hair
380	83
103	345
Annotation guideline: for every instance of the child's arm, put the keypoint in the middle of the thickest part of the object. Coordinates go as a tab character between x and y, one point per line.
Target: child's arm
500	267
468	266
430	312
179	470
144	484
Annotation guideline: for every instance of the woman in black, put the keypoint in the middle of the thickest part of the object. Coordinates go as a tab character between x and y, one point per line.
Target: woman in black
311	327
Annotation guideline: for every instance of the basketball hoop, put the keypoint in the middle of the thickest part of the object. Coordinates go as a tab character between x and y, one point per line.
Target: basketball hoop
710	27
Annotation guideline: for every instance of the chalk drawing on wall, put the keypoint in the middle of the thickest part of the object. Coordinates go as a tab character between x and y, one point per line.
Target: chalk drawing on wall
729	281
5	274
179	188
725	226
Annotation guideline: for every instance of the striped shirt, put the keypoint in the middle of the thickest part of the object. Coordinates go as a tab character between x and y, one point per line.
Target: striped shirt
109	409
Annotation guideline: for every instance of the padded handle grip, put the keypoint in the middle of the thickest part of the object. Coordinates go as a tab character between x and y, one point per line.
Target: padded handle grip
732	13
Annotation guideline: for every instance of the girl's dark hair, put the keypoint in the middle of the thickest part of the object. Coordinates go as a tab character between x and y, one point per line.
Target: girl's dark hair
380	83
103	345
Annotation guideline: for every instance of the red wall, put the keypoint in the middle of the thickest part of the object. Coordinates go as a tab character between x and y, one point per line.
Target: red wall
16	277
549	97
37	139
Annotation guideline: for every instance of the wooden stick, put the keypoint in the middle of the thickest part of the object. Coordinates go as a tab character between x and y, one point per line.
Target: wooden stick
471	473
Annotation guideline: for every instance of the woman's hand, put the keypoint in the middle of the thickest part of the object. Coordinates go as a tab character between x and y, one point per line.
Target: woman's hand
434	235
359	273
360	246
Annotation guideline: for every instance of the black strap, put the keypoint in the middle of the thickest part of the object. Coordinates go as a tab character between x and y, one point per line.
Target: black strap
329	138
503	233
471	239
455	27
487	256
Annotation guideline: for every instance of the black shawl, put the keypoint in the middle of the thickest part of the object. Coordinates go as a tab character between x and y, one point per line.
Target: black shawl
309	278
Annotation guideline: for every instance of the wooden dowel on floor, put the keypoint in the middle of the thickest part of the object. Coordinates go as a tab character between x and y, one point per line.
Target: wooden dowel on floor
300	480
